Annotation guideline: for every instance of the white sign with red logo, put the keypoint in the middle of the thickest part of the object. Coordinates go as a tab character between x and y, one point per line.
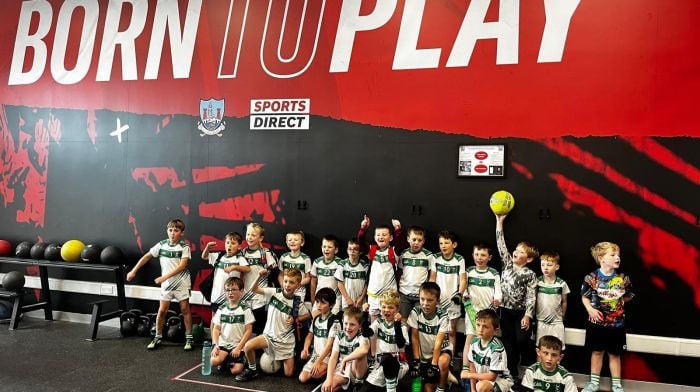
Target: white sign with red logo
481	161
290	113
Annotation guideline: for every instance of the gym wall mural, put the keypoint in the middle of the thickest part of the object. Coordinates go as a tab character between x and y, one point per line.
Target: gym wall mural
118	116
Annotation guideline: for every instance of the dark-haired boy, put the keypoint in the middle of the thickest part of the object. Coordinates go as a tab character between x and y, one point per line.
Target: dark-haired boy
547	375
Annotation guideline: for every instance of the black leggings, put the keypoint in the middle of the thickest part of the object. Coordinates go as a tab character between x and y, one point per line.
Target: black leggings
515	339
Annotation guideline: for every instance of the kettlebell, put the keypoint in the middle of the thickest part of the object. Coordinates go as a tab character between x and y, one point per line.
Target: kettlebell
175	333
144	328
129	324
198	332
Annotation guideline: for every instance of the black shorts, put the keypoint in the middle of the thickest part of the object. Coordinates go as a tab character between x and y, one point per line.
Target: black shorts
610	339
240	359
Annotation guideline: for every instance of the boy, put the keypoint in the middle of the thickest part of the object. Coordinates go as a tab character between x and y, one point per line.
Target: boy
278	337
388	338
323	269
604	293
258	258
547	375
413	270
229	263
232	326
519	285
551	298
487	370
432	353
483	291
447	270
322	334
174	282
382	261
352	277
296	259
348	360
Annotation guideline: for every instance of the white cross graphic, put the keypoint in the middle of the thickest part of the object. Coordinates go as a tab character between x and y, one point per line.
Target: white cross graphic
120	129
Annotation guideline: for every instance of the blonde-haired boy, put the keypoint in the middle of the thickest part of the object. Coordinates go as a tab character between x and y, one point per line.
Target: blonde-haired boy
551	298
389	337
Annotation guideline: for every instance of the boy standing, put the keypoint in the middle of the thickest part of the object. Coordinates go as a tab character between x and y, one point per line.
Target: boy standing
352	277
432	353
229	263
487	370
296	259
232	326
174	282
604	293
551	298
323	269
447	270
519	285
348	360
413	270
278	337
258	258
547	375
323	330
388	338
382	261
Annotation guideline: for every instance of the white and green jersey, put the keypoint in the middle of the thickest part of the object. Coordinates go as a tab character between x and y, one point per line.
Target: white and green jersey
386	336
302	262
278	312
382	276
323	330
218	295
415	270
448	274
170	256
539	379
489	358
232	321
549	298
324	270
257	259
353	276
428	329
483	287
345	345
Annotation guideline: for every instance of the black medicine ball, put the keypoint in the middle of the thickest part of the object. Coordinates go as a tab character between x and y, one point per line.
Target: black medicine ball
53	252
91	254
37	251
23	249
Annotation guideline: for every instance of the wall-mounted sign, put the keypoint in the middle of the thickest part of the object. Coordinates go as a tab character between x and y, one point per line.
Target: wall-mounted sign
481	160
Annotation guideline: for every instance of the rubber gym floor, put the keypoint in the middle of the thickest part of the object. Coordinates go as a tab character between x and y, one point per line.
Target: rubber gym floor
54	356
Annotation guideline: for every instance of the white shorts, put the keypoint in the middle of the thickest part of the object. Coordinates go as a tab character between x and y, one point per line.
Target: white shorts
345	372
501	384
374	305
177	295
279	351
556	329
376	374
453	310
312	361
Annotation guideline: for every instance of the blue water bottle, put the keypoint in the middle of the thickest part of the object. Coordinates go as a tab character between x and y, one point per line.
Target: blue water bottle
206	358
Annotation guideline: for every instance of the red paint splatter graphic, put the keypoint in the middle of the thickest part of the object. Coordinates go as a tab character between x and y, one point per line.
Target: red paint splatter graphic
597	165
216	173
185	209
204	239
139	243
664	157
157	175
520	168
655	244
635	367
263	204
24	166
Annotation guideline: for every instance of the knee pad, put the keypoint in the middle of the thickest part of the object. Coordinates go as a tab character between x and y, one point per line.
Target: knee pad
390	365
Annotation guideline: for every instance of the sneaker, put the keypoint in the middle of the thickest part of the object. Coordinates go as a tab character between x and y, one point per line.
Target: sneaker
154	344
247	375
590	387
617	389
188	344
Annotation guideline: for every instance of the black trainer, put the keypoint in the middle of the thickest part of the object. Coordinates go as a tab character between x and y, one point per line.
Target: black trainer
247	375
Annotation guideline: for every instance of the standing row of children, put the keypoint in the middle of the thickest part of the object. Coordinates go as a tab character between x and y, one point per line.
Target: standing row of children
431	292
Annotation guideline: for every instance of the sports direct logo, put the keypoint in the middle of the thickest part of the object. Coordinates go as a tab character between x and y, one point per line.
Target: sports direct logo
279	113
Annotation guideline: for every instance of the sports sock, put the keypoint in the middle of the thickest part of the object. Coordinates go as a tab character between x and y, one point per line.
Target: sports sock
391	384
616	382
253	366
595	379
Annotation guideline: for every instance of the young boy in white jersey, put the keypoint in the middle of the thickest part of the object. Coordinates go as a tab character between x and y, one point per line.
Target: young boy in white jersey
232	326
229	263
483	291
174	282
447	270
488	364
278	337
352	277
296	259
322	334
550	306
432	352
546	374
413	270
389	337
382	261
259	258
323	269
348	361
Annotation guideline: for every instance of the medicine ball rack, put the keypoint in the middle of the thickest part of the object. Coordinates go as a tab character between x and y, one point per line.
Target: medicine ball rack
117	273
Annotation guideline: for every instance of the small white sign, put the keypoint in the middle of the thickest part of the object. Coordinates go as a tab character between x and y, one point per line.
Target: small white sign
289	113
481	161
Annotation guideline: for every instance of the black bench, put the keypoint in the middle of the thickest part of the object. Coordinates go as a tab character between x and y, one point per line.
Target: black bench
16	298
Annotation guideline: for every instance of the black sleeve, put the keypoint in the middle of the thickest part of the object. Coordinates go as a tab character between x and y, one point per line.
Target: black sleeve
400	339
